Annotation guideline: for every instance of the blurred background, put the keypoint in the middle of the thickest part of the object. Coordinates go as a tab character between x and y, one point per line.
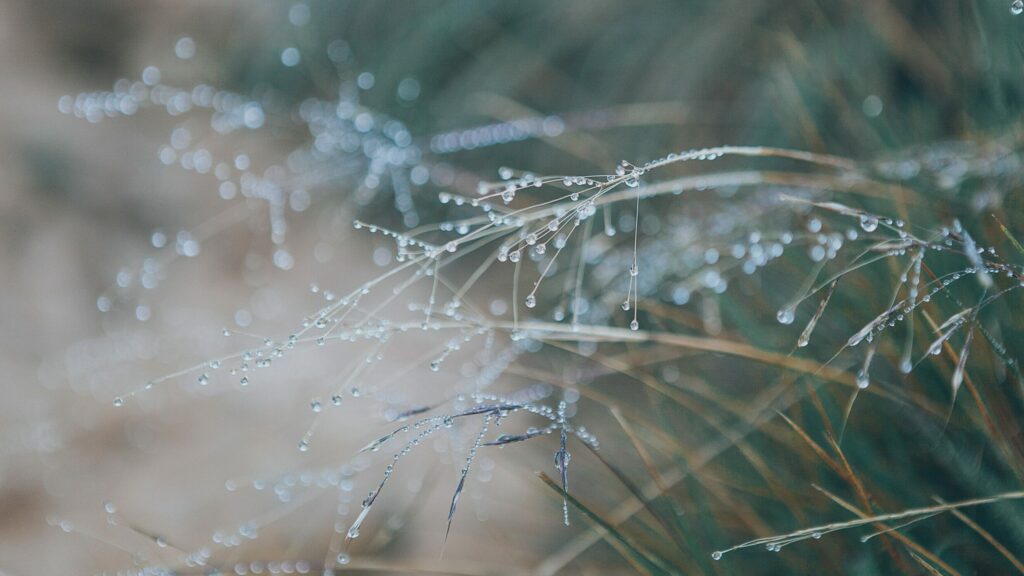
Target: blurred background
118	266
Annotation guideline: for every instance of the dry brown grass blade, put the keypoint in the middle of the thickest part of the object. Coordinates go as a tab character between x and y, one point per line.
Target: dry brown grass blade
610	532
634	490
645	457
907	44
669	443
748	514
818	450
844	470
987	536
728	403
627	508
995	433
435	568
796	105
878	523
705	414
738	409
819	407
423	567
865	501
926	565
550	330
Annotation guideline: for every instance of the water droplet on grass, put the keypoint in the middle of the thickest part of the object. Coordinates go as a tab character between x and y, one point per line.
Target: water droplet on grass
785	316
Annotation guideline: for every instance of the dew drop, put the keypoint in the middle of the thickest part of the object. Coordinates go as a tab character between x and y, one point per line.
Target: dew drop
862	379
785	316
1017	7
716	555
531	301
870	223
118	402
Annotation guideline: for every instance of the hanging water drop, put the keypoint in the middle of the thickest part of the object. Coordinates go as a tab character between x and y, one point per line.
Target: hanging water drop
862	379
785	316
870	223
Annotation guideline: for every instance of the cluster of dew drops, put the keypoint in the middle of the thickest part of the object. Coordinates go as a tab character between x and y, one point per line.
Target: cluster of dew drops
868	223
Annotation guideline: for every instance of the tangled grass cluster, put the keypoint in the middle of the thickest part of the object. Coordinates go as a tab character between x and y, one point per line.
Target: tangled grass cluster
722	312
